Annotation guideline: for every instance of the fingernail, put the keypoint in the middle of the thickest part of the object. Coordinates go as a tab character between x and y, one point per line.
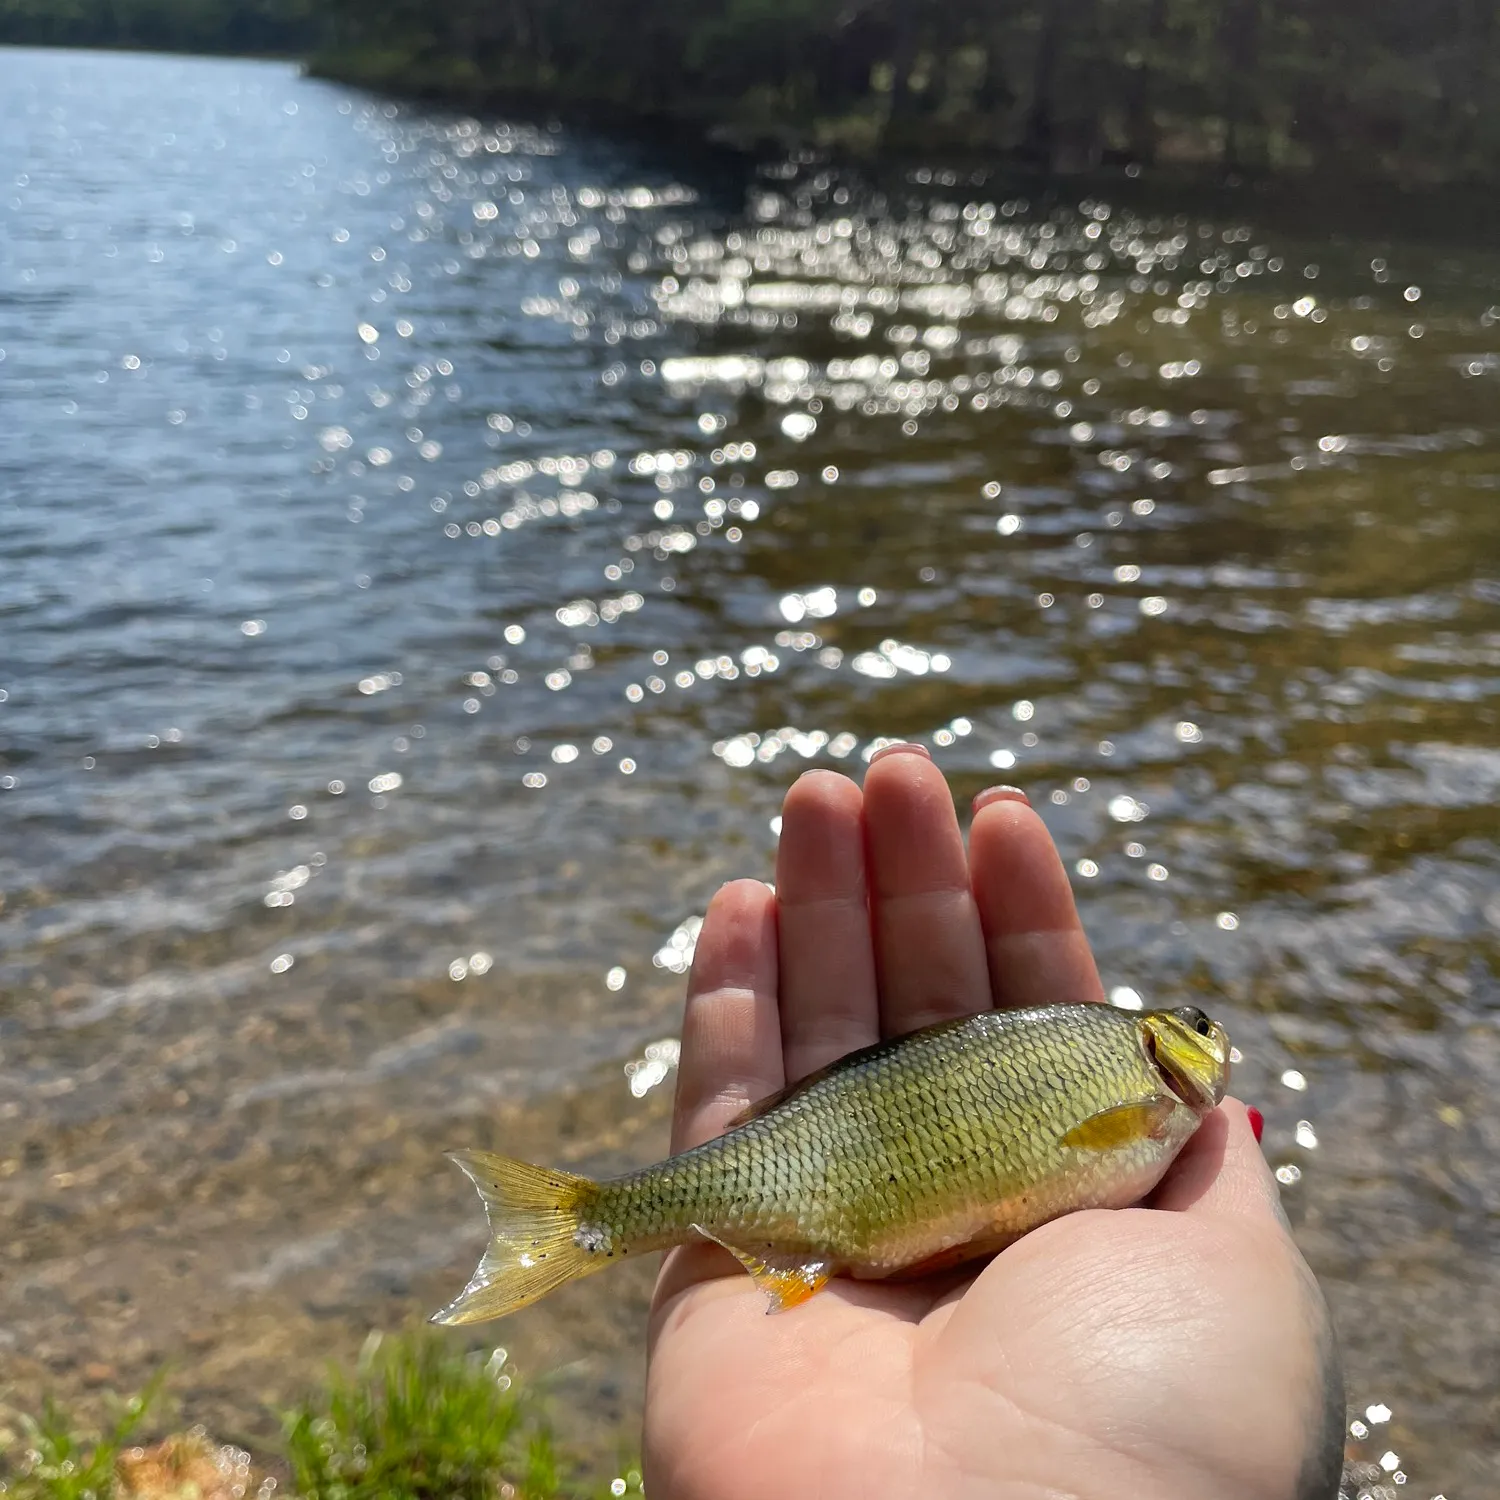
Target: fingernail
901	747
1000	794
1257	1122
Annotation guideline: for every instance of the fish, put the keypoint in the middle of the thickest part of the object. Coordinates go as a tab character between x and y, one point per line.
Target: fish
921	1152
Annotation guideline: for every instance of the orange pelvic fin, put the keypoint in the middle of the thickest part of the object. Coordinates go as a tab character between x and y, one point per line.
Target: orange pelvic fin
785	1279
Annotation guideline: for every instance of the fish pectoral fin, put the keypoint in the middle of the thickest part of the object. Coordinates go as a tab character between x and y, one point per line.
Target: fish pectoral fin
785	1279
1122	1124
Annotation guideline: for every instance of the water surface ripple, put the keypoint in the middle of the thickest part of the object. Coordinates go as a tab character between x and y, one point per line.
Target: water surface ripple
428	548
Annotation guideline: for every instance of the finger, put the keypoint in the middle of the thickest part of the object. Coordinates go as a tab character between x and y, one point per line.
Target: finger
1221	1171
731	1035
929	949
828	1003
1034	942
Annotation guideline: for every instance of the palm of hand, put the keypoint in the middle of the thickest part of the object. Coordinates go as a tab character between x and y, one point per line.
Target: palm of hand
1179	1349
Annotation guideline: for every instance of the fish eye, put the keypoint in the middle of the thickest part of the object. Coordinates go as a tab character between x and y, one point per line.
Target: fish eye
1192	1016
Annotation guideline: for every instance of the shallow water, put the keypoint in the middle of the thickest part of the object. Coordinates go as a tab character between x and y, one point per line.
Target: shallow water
428	548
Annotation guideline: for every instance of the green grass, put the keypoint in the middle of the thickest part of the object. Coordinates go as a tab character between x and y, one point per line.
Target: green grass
45	1456
415	1420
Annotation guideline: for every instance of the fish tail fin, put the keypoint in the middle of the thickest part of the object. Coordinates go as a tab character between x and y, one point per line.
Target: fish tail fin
535	1215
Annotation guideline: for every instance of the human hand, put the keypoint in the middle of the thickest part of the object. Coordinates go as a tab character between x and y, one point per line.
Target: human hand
1176	1351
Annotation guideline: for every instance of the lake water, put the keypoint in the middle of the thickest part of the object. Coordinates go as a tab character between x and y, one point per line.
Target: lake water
428	548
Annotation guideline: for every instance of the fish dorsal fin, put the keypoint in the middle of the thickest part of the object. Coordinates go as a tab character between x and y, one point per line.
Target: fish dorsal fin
759	1107
1122	1124
785	1279
839	1065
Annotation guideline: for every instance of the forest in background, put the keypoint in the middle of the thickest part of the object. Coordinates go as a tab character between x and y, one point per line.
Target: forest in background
288	28
1394	89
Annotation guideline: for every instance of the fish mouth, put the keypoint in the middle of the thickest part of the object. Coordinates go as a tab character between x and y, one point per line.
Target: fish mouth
1199	1092
1181	1086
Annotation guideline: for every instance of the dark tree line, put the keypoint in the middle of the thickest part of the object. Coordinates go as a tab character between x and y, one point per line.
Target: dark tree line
1399	88
1407	88
289	27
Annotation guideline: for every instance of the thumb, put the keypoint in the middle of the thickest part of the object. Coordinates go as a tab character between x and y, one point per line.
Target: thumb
1222	1172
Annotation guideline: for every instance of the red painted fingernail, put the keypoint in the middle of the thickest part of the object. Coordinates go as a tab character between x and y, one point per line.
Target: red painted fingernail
1257	1121
901	747
1000	794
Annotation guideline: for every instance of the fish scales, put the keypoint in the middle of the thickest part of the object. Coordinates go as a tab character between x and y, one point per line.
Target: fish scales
945	1143
903	1151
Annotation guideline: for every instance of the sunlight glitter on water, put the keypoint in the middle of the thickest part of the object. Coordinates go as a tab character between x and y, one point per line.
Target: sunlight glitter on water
600	499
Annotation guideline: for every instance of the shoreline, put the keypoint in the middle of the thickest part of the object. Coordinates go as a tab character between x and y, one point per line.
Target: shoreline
1334	198
1315	201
